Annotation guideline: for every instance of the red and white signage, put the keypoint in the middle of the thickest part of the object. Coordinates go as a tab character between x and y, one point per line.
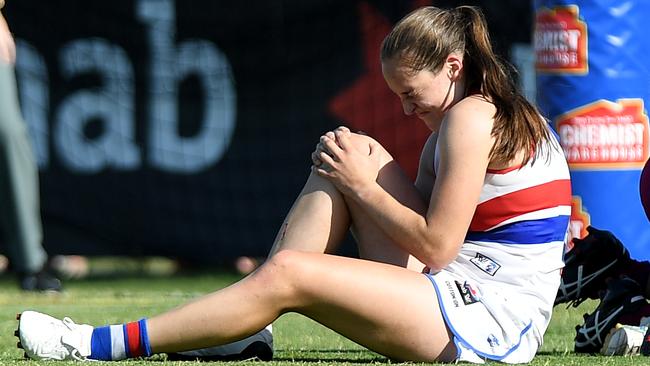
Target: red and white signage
605	135
560	40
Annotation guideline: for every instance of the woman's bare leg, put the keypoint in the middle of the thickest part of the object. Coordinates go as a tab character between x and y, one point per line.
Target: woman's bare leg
317	221
373	243
321	216
385	308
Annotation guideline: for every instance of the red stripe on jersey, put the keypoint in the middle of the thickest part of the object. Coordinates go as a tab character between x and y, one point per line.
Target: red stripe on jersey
133	337
499	209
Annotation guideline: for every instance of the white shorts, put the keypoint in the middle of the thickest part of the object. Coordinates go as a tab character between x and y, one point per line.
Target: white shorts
487	322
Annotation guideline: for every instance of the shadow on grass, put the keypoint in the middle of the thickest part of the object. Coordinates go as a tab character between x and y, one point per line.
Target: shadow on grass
330	355
566	353
138	275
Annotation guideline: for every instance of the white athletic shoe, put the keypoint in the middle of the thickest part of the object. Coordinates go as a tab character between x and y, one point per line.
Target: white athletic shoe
46	338
623	340
259	346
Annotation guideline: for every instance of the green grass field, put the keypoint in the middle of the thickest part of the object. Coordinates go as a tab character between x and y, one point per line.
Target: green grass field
101	299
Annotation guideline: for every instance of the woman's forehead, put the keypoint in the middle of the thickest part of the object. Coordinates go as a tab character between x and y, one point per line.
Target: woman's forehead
398	70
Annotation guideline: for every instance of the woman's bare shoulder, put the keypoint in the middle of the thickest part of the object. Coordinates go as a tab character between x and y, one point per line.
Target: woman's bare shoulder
475	104
474	113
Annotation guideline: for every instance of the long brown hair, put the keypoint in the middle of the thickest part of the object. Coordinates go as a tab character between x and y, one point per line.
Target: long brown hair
423	40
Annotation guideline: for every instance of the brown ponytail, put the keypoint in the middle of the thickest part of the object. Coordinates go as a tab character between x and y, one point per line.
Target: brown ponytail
423	40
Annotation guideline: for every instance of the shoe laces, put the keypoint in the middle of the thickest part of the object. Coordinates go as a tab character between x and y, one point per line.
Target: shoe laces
595	334
70	348
608	255
575	288
622	295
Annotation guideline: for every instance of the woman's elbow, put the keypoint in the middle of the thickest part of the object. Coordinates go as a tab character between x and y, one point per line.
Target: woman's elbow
439	258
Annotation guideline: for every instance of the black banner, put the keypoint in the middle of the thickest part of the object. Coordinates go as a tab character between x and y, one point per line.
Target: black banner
184	129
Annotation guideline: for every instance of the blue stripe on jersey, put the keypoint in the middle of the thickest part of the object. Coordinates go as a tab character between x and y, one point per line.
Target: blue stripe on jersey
525	232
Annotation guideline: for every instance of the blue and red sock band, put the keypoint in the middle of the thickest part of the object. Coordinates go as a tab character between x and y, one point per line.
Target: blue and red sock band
117	342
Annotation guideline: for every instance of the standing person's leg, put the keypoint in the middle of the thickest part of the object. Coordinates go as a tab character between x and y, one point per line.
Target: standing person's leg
385	308
19	191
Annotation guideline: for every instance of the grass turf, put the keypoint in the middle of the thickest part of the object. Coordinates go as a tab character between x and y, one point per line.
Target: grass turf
298	341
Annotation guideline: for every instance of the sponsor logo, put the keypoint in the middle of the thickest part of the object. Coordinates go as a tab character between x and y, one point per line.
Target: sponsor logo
560	40
452	293
467	293
128	140
605	135
486	264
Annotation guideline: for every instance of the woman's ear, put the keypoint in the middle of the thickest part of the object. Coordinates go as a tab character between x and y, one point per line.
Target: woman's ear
454	64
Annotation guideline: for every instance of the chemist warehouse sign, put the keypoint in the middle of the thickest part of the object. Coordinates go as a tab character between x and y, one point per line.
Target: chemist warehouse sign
560	41
602	134
605	134
592	83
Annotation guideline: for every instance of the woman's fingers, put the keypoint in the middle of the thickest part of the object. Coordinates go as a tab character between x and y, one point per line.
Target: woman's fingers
315	158
320	147
342	129
327	161
330	147
319	171
343	138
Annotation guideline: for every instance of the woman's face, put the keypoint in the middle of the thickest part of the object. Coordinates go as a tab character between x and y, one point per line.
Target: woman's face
423	93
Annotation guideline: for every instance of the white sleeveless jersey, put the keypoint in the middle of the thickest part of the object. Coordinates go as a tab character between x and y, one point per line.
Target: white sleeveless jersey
497	296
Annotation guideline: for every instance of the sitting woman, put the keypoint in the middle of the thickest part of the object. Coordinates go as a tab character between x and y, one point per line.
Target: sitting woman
462	265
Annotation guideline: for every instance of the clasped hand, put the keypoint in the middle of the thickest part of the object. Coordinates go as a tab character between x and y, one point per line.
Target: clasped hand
348	160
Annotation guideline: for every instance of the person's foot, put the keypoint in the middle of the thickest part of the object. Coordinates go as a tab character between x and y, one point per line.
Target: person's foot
588	264
623	340
43	280
46	338
623	297
259	346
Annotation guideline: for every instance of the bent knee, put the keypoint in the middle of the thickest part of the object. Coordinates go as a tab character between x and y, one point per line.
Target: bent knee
363	144
284	266
283	273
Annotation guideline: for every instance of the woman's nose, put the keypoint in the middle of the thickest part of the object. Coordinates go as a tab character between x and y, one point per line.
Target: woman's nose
409	108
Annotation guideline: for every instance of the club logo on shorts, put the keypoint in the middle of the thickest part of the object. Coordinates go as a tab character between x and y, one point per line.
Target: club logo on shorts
486	264
467	293
493	341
